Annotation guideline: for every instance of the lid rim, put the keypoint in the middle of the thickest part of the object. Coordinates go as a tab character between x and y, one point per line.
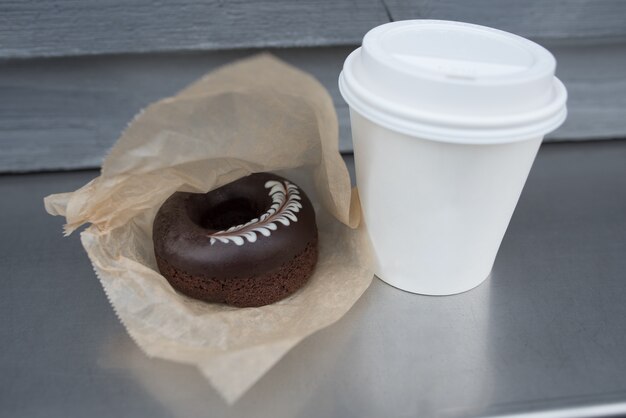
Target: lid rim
477	133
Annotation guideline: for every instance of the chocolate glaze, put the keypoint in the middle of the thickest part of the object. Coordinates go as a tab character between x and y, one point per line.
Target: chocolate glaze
184	224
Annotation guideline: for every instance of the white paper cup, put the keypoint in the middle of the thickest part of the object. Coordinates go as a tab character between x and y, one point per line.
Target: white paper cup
446	118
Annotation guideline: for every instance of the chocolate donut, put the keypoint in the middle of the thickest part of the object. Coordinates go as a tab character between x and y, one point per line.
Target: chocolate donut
251	242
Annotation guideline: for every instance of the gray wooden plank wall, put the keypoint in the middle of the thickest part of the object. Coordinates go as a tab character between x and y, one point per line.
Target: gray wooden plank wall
34	28
73	73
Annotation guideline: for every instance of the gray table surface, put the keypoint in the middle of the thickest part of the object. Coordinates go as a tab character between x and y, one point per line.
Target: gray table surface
546	331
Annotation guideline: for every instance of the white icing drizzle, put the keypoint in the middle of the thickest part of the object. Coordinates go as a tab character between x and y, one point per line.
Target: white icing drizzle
285	204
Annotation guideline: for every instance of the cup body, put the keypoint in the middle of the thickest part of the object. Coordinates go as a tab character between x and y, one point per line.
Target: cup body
436	212
447	118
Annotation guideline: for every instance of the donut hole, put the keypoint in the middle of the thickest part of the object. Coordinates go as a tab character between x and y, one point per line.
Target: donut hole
225	214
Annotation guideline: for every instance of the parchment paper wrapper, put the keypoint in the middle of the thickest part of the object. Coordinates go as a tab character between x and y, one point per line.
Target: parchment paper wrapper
255	115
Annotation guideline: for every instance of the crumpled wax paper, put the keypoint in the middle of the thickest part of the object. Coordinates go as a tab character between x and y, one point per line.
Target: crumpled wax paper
258	114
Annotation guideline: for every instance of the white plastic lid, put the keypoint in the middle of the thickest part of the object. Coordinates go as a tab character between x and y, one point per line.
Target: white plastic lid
454	82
